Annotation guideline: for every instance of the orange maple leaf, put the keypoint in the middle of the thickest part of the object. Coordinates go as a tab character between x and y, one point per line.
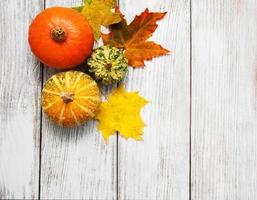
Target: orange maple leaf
133	37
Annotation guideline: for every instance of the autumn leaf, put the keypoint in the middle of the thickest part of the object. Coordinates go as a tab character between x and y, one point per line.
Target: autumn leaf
121	113
133	37
99	12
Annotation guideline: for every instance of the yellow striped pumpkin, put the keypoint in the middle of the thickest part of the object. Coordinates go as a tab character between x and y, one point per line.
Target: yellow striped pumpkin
70	98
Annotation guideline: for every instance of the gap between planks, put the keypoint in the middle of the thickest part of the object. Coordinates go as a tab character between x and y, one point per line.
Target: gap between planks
41	123
190	101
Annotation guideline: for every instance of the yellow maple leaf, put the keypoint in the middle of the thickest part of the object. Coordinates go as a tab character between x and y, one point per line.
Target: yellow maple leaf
121	112
99	12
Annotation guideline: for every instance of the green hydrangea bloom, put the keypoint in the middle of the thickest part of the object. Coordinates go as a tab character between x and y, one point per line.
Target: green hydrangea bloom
108	64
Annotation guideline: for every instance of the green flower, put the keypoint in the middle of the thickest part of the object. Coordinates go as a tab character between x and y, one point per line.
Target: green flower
108	64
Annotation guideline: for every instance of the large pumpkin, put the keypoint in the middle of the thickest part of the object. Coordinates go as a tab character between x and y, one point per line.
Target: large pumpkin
70	98
61	37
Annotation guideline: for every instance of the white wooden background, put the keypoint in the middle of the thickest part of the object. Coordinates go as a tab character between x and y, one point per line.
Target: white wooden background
201	138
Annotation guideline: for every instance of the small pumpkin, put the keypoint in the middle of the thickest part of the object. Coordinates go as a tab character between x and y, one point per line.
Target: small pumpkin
70	98
61	37
108	64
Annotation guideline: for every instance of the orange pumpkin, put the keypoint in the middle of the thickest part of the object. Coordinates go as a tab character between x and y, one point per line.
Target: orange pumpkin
61	37
70	98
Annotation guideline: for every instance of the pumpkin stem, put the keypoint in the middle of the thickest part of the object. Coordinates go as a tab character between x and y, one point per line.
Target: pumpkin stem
67	97
58	34
108	66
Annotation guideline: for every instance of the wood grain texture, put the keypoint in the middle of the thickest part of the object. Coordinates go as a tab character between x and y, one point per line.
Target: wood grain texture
158	167
224	96
76	163
20	85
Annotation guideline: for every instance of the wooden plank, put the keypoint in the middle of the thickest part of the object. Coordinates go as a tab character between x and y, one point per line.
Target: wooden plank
76	163
20	86
158	167
224	117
